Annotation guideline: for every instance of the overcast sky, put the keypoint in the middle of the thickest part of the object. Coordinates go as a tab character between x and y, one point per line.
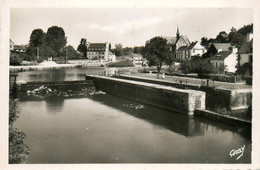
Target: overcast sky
128	26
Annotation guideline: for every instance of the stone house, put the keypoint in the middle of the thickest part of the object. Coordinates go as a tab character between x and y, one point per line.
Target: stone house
100	51
225	61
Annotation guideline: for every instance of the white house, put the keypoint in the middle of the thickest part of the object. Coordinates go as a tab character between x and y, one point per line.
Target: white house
100	51
137	59
225	61
186	52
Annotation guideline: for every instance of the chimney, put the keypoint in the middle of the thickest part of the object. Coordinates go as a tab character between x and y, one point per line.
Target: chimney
249	37
234	49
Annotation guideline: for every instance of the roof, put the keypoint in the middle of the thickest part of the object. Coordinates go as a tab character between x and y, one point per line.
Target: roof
19	47
182	48
191	45
97	47
186	39
247	47
221	55
222	46
11	41
170	40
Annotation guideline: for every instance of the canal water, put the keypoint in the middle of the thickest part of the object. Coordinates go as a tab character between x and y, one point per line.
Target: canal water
101	128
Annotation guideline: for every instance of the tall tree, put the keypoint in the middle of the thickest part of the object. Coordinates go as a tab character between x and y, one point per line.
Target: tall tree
55	39
36	38
157	52
118	49
222	37
82	47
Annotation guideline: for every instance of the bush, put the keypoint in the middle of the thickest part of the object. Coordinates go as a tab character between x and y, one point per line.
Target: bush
126	63
18	151
15	60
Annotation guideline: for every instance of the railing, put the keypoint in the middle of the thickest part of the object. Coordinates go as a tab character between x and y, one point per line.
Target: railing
109	73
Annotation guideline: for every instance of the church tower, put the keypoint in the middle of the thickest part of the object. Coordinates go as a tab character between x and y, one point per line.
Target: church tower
178	33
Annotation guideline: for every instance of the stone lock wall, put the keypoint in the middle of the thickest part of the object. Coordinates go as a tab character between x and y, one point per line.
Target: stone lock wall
177	100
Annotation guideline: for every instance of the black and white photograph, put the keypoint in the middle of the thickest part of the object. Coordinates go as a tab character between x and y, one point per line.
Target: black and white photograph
136	85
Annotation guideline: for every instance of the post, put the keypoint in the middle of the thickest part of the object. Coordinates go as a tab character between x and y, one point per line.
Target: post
66	57
38	53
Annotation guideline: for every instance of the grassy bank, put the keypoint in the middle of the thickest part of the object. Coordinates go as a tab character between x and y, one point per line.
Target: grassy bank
125	63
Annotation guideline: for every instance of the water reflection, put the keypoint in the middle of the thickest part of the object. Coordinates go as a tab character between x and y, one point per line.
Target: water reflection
181	124
67	74
54	104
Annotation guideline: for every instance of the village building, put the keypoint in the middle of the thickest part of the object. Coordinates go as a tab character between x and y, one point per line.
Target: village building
176	42
100	51
137	59
214	48
186	52
225	61
17	48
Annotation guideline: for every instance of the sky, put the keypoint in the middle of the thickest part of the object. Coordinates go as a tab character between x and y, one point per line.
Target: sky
128	26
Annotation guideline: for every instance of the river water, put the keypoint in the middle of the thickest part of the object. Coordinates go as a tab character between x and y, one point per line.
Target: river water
101	128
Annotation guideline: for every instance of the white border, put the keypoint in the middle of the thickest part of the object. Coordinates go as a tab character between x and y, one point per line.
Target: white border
4	76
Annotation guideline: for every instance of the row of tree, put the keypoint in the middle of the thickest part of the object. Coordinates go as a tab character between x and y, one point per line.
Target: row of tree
44	45
120	51
49	44
235	37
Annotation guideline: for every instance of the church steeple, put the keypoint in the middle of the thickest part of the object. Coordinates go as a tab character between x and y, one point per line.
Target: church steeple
178	33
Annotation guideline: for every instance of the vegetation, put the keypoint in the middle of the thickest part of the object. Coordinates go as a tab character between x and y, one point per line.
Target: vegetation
118	50
235	37
157	53
125	63
50	44
139	50
15	60
82	47
196	65
18	151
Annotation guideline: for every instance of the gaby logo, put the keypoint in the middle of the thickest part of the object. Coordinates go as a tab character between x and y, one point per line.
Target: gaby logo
239	151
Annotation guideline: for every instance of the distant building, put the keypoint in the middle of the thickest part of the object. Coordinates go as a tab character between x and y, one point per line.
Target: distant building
100	51
225	61
176	42
137	59
186	52
17	48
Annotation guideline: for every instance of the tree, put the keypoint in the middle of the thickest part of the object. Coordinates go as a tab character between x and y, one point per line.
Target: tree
196	65
36	38
204	42
15	60
232	34
238	40
157	52
82	47
127	50
118	49
70	52
55	39
222	37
